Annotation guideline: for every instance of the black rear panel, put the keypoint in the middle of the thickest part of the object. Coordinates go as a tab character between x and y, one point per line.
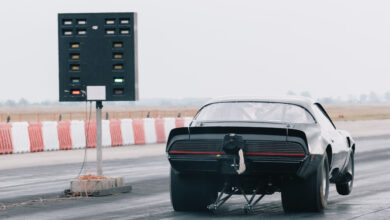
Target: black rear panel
197	146
276	147
253	147
267	150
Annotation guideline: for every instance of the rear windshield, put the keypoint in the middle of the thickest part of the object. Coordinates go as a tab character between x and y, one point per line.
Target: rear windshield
256	112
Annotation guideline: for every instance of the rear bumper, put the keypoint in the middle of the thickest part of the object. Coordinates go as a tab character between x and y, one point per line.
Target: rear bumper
301	166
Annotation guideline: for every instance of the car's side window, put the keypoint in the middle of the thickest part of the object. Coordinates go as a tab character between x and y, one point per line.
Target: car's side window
322	119
297	114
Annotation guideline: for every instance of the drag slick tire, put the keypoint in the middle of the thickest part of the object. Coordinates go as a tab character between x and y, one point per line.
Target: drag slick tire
310	194
345	188
190	192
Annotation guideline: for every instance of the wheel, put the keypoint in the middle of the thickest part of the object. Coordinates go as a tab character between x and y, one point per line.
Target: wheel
345	188
192	192
310	194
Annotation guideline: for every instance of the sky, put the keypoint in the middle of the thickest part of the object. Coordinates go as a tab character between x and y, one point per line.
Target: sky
209	48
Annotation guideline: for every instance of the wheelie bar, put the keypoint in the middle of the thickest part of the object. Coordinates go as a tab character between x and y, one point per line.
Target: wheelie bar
248	207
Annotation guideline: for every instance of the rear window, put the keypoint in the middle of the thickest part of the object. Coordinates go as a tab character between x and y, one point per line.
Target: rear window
256	112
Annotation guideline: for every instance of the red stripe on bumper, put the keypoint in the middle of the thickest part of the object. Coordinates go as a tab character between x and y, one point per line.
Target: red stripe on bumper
274	154
249	154
192	152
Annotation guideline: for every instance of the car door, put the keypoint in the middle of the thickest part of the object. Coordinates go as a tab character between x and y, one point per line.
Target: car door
333	137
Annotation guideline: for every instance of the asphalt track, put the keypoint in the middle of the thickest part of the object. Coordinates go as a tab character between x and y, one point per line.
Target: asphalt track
149	198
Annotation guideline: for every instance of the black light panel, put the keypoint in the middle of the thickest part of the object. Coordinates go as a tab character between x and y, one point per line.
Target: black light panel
98	51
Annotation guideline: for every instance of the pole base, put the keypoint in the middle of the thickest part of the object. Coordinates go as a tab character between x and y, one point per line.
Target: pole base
98	187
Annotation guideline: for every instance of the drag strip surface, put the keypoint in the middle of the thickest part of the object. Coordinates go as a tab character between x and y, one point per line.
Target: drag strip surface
149	199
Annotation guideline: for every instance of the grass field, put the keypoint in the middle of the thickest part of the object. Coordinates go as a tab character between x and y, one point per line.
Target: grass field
82	113
37	113
358	112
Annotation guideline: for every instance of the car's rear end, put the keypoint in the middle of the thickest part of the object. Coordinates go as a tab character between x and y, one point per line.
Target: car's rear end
271	145
240	147
266	150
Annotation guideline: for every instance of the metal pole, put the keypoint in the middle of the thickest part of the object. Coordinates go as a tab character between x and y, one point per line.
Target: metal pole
99	154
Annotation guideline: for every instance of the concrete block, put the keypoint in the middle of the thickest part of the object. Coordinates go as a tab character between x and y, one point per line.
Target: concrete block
95	185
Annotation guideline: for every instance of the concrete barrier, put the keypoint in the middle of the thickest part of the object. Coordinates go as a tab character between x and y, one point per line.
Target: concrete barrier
139	132
187	121
90	132
106	136
150	131
64	135
20	137
169	124
116	133
35	134
5	139
77	134
50	135
127	131
160	130
179	122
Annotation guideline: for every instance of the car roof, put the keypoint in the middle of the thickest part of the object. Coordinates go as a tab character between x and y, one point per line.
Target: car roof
296	100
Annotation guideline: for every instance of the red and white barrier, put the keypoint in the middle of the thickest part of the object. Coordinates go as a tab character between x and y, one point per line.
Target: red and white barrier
116	133
127	131
179	122
5	139
160	130
36	137
169	124
64	135
90	134
106	137
187	121
20	137
150	131
50	135
78	134
139	131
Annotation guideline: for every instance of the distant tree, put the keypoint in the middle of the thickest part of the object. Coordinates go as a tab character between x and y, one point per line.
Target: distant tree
166	102
23	102
352	99
290	92
338	100
363	98
10	103
387	96
326	100
306	94
47	103
373	98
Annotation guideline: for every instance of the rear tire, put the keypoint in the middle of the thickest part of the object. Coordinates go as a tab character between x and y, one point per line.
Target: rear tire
346	188
310	194
192	192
